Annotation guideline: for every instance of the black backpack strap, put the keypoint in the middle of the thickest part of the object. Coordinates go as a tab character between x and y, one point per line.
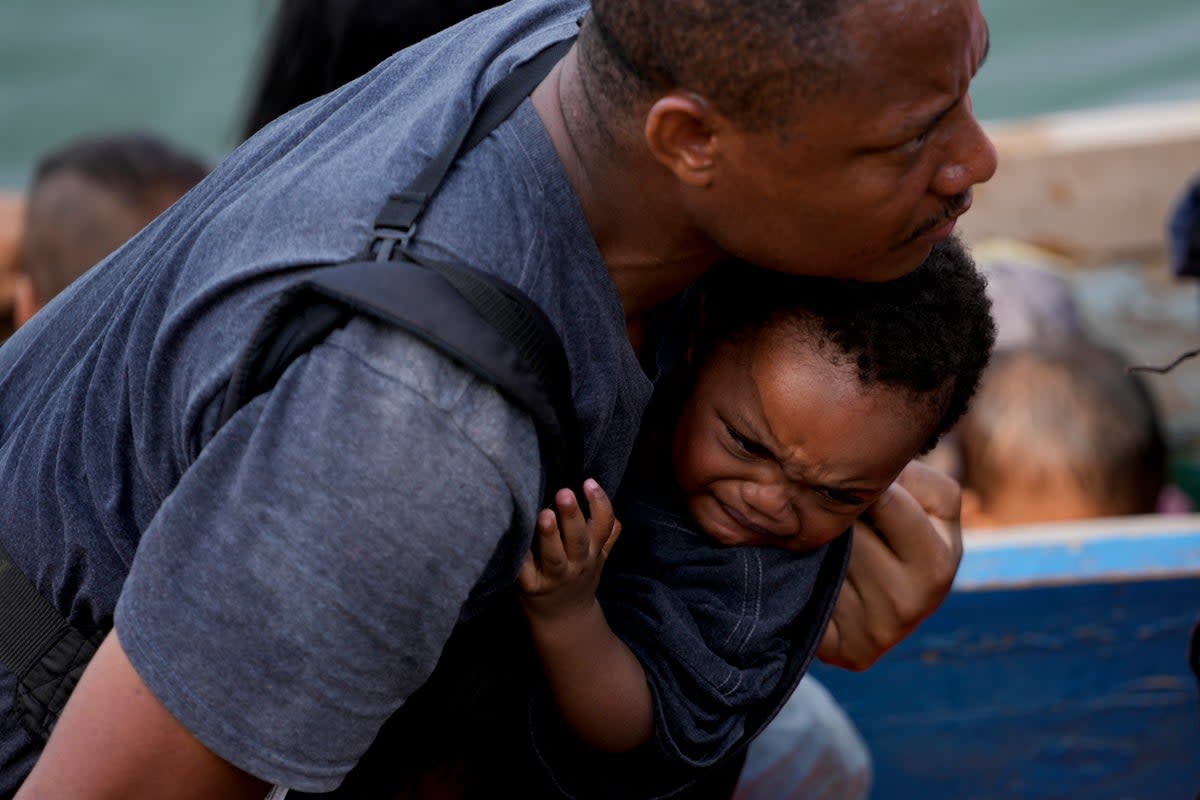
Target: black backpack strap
498	334
397	222
39	646
518	352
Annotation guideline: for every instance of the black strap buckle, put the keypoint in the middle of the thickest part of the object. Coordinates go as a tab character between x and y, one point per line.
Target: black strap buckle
385	241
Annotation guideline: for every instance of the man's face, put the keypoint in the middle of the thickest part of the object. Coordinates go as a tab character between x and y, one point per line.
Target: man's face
778	447
873	171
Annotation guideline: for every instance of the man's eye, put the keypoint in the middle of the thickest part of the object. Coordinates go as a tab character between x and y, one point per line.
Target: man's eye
915	143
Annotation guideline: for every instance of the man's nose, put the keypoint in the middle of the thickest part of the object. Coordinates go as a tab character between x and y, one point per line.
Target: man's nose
970	156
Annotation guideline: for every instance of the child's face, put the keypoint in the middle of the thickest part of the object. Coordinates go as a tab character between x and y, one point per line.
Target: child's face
776	446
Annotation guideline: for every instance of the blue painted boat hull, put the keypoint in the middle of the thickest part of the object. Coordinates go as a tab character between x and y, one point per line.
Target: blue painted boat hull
1069	682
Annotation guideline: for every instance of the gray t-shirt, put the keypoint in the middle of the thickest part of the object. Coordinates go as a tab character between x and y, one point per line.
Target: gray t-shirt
287	581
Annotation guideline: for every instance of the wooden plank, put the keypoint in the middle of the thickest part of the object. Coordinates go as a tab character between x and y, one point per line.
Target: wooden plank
1095	185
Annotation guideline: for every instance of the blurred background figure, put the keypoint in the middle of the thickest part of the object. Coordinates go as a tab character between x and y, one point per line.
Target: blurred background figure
1060	432
1183	232
12	219
315	46
1031	303
88	198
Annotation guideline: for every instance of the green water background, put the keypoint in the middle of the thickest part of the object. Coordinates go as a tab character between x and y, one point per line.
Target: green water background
69	67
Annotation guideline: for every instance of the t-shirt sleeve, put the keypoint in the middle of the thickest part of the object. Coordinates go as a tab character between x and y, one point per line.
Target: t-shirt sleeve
299	582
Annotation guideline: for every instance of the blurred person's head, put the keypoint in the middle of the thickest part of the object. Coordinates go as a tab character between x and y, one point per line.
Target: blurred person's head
1031	305
12	222
89	197
1060	433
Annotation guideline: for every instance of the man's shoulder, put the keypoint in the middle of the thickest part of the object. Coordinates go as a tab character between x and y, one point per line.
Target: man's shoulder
308	186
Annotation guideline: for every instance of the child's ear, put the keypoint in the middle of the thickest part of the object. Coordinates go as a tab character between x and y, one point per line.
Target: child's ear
973	515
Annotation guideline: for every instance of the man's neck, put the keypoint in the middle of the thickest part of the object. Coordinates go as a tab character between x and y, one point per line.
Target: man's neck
628	199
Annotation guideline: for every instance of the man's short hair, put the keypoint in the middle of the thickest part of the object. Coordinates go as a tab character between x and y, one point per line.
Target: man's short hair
752	59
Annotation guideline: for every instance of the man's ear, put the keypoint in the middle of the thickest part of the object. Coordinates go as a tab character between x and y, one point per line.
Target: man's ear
681	132
25	300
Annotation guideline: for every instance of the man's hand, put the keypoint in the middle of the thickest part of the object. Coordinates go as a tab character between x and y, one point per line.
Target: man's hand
906	552
115	740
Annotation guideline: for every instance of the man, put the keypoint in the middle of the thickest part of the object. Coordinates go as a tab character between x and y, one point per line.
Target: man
287	581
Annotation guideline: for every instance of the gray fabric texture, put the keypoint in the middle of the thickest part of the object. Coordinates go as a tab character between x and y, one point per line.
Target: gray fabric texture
287	581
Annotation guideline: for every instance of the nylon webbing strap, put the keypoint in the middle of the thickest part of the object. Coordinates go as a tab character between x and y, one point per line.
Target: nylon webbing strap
523	324
42	649
402	209
28	623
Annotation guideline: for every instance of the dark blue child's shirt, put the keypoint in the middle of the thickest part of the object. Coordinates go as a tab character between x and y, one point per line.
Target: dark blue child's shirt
723	633
715	627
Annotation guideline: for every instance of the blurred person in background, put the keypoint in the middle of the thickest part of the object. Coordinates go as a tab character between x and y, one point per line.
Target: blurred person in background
12	218
86	199
1058	433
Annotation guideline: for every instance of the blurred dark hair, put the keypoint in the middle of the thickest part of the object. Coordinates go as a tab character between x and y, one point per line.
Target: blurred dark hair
134	164
67	229
315	46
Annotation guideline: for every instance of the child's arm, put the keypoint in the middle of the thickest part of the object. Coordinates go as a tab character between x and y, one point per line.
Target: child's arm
597	683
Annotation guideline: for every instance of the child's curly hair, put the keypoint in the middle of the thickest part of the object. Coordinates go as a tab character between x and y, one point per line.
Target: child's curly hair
929	333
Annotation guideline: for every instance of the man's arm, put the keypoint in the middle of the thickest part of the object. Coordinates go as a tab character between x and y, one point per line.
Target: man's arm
146	753
902	565
298	584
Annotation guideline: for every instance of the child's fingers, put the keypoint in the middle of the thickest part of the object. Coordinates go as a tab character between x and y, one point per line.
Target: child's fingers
528	575
603	521
573	526
607	547
551	556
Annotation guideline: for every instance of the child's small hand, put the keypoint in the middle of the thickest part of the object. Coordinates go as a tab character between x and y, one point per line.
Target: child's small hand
561	579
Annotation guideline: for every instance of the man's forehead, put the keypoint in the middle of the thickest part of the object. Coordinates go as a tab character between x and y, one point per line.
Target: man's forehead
904	71
887	40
